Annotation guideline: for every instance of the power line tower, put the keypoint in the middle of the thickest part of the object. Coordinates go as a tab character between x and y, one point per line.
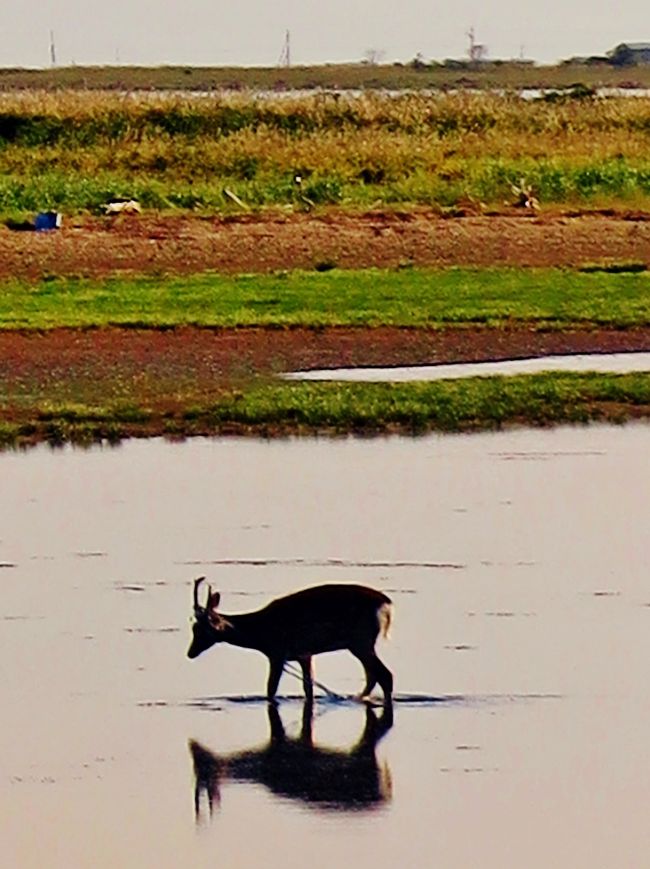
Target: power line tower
475	51
285	54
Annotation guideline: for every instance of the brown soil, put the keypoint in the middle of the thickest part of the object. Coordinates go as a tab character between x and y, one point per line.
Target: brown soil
206	359
257	243
153	361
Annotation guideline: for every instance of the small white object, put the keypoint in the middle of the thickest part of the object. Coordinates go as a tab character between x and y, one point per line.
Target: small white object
128	206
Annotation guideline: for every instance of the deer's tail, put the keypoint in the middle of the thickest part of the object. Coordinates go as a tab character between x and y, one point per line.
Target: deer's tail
385	618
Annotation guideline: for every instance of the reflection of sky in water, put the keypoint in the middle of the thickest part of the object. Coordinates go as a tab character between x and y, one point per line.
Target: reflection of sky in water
517	562
611	363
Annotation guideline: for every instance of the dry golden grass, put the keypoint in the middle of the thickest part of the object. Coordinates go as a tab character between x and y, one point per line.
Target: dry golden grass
80	147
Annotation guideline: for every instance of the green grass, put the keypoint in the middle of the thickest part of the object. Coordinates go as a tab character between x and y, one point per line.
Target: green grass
93	410
485	181
543	298
310	408
456	405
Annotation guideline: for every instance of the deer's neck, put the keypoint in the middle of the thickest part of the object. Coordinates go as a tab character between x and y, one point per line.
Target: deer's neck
248	631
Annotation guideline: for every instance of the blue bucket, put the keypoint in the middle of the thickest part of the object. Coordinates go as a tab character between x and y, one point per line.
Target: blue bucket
46	220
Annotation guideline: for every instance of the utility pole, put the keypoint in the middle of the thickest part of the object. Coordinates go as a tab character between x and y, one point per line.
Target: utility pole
285	54
52	49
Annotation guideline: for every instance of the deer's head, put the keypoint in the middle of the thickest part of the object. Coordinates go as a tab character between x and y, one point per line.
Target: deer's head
209	626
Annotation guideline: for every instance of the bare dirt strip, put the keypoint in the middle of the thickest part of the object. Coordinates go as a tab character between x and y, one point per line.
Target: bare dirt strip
267	242
151	362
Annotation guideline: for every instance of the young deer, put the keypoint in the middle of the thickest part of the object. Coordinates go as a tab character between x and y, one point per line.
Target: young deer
324	618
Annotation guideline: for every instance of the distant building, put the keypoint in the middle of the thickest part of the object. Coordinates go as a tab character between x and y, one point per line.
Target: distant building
630	54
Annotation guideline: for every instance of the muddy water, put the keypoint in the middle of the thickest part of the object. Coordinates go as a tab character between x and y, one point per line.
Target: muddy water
518	564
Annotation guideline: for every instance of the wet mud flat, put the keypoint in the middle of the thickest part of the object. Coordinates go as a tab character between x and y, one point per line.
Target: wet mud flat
517	563
152	366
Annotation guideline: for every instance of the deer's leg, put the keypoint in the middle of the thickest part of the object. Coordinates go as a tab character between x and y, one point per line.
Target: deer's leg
366	657
307	677
385	679
375	671
275	672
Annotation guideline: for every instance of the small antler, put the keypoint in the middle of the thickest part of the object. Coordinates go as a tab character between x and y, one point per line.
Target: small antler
197	583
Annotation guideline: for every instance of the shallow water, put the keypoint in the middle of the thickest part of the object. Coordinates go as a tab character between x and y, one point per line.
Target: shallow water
518	564
605	363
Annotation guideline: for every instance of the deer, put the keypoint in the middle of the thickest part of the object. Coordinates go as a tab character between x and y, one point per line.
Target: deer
322	618
296	768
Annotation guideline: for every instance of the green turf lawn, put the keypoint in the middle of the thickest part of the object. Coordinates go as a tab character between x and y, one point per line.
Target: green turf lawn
410	297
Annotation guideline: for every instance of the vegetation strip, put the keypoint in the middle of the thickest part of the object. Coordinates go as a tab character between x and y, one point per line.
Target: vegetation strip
416	73
76	151
310	408
497	297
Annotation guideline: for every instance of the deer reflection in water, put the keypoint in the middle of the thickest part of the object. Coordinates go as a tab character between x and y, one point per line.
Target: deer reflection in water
297	769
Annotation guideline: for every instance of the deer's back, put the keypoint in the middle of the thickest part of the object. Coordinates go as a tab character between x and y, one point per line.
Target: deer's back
325	618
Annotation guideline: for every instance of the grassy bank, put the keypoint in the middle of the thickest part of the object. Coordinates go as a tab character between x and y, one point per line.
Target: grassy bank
312	408
90	400
76	151
540	298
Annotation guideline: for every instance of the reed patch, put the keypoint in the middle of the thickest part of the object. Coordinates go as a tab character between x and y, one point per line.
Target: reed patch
75	151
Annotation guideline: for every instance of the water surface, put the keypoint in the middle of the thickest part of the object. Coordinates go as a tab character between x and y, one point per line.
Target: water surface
604	363
518	565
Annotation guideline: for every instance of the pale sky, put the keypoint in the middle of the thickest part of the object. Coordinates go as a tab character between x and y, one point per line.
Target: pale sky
251	32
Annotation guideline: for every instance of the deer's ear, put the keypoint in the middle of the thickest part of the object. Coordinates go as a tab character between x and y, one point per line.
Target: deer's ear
213	600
